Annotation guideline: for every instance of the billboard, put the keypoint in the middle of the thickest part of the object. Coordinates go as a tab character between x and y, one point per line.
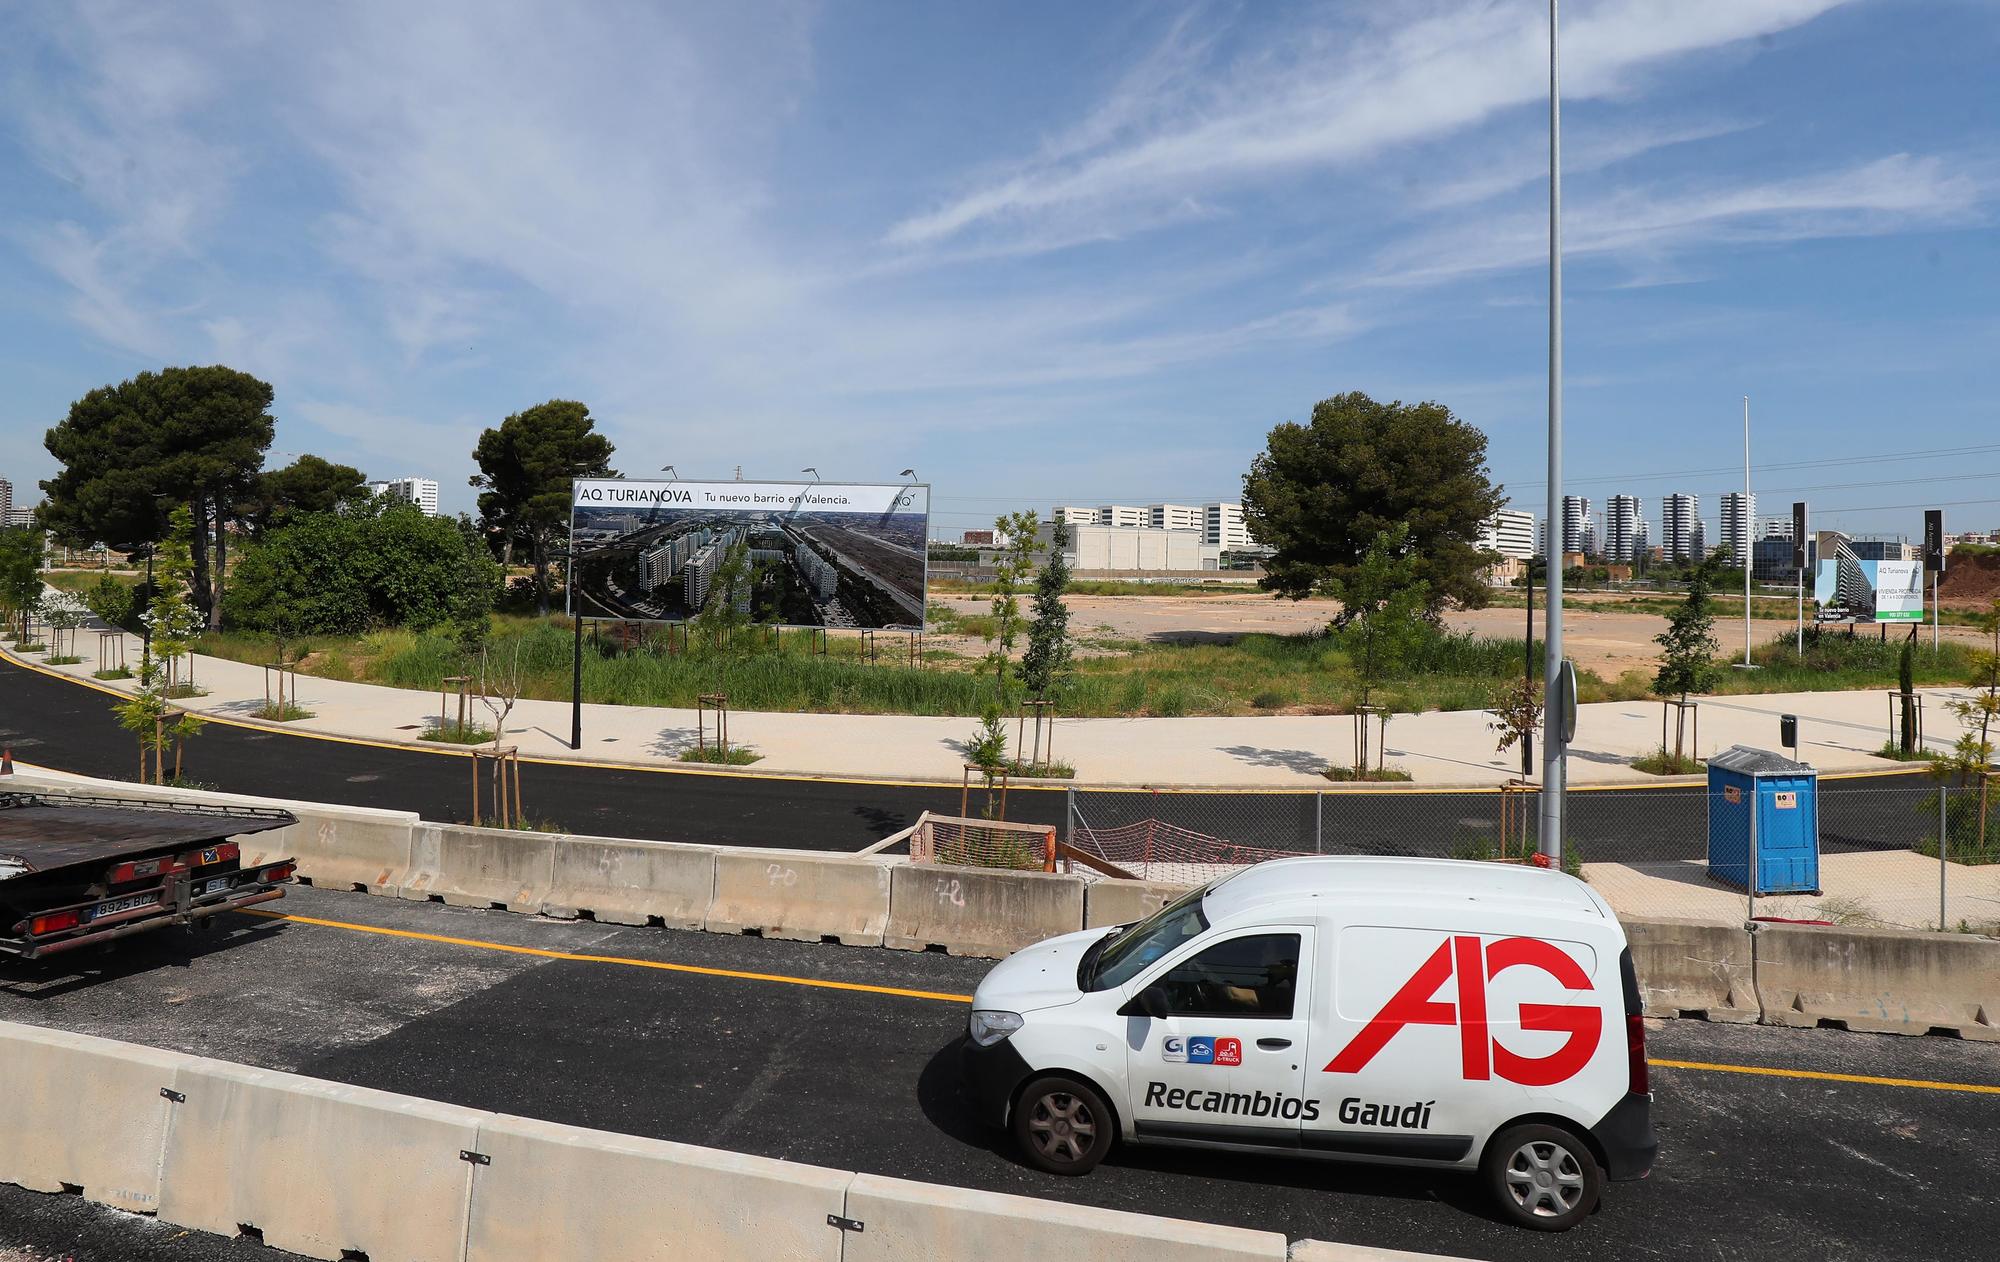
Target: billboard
817	554
1849	589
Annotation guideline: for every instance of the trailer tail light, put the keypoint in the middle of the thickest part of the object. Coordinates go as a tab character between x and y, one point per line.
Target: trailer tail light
141	869
1639	1078
281	872
52	922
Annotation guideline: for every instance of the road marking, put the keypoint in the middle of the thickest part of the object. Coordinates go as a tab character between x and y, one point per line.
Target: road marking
584	957
1869	1080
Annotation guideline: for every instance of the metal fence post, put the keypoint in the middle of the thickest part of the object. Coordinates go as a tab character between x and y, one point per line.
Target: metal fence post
1069	815
1944	816
1750	875
1319	804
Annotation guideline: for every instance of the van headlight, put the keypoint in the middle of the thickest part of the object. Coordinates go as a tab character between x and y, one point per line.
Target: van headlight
990	1026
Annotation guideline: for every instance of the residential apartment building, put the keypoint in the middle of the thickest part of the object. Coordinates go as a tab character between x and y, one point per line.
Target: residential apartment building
1576	523
1738	512
1621	529
1510	532
6	500
1698	541
423	492
1680	523
1122	515
1075	515
1222	525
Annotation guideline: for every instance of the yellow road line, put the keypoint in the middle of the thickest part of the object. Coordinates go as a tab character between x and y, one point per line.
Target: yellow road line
580	957
1822	1076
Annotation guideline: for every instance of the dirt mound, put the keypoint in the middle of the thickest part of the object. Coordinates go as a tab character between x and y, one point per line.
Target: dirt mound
1970	578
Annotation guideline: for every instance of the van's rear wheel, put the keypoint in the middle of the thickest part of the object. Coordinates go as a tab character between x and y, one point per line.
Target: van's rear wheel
1063	1126
1543	1178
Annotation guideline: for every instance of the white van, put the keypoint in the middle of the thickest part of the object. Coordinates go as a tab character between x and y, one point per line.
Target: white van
1407	1011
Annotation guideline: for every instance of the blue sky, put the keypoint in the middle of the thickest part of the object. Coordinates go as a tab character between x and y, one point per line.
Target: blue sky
1042	252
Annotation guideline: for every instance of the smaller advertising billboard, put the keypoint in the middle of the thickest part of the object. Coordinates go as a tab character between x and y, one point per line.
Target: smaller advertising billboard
1852	590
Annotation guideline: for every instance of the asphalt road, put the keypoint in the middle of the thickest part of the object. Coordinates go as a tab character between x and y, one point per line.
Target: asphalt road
65	725
1751	1166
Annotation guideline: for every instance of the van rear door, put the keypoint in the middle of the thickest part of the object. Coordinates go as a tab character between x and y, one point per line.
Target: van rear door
1228	1062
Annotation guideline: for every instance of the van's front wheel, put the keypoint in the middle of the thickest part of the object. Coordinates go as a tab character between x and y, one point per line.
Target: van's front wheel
1543	1178
1062	1125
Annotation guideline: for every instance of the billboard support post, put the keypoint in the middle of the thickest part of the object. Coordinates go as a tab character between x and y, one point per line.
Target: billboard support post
576	681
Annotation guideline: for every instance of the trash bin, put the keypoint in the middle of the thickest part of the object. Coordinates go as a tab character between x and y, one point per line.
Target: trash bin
1781	797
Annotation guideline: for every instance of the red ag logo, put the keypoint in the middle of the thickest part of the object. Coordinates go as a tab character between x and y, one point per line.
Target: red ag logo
1416	1004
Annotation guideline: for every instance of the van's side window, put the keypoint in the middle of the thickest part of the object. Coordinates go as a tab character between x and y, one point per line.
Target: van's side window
1243	977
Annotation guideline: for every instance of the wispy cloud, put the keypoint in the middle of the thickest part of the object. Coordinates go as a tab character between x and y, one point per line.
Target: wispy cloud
1332	96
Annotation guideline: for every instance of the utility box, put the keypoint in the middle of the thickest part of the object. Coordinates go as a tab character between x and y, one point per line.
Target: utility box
1763	811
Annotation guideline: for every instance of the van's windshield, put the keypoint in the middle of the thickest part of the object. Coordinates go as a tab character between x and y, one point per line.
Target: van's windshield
1120	958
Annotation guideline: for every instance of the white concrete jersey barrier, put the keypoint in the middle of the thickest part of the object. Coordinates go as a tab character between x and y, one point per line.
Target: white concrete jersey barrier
632	882
801	896
1121	902
979	911
1879	980
334	1171
903	1221
1328	1251
551	1191
1690	968
481	867
81	1112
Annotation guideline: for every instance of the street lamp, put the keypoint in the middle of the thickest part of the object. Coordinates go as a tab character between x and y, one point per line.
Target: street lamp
814	472
1555	747
671	472
908	473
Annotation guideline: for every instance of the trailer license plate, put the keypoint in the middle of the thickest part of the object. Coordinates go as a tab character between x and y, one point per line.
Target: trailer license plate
215	885
117	905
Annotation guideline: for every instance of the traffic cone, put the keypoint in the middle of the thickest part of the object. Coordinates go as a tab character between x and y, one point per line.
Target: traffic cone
7	761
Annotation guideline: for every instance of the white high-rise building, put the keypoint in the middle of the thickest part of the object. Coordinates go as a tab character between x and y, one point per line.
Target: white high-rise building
1222	525
1075	515
423	492
1173	516
1510	532
1621	529
6	500
1123	515
1775	528
1576	523
1680	520
1738	511
1642	540
1698	541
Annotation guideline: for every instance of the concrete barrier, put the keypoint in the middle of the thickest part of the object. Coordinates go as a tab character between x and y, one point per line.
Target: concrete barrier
564	1192
979	911
1116	902
1880	980
481	867
1331	1251
319	1168
632	882
903	1221
1687	968
800	896
82	1112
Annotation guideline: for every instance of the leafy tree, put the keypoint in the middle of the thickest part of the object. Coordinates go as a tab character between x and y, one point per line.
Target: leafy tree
307	485
526	467
1045	667
172	617
113	602
20	574
376	564
1971	756
1688	646
193	436
1320	494
1015	563
1385	604
147	715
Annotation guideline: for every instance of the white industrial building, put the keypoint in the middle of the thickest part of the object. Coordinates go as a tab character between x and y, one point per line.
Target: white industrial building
1135	548
1076	515
423	492
1174	516
1122	515
1223	526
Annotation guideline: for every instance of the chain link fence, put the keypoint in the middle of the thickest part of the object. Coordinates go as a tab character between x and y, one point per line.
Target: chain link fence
1646	850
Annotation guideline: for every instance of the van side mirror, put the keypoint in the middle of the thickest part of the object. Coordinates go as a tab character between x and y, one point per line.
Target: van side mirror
1150	1002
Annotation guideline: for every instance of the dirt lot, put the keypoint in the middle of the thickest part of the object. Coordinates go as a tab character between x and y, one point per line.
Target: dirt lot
1609	643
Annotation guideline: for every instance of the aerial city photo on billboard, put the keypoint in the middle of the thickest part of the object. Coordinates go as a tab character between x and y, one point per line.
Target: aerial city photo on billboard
818	554
1848	588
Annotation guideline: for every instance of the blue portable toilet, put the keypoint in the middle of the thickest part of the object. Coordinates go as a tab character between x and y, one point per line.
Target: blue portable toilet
1782	797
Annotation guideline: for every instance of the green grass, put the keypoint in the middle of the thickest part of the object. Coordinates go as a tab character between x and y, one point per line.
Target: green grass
1837	662
1045	770
452	734
1663	762
735	756
285	713
116	672
1384	775
66	659
1894	752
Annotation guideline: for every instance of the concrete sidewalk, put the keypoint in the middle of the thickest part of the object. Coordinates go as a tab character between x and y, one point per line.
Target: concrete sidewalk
1838	732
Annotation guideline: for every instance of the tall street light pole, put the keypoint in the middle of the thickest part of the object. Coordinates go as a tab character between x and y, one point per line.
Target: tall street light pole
1555	748
1744	536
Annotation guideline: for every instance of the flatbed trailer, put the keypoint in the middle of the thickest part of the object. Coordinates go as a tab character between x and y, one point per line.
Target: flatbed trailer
76	871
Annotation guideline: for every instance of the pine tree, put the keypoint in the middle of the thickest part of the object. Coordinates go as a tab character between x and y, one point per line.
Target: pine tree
1045	667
